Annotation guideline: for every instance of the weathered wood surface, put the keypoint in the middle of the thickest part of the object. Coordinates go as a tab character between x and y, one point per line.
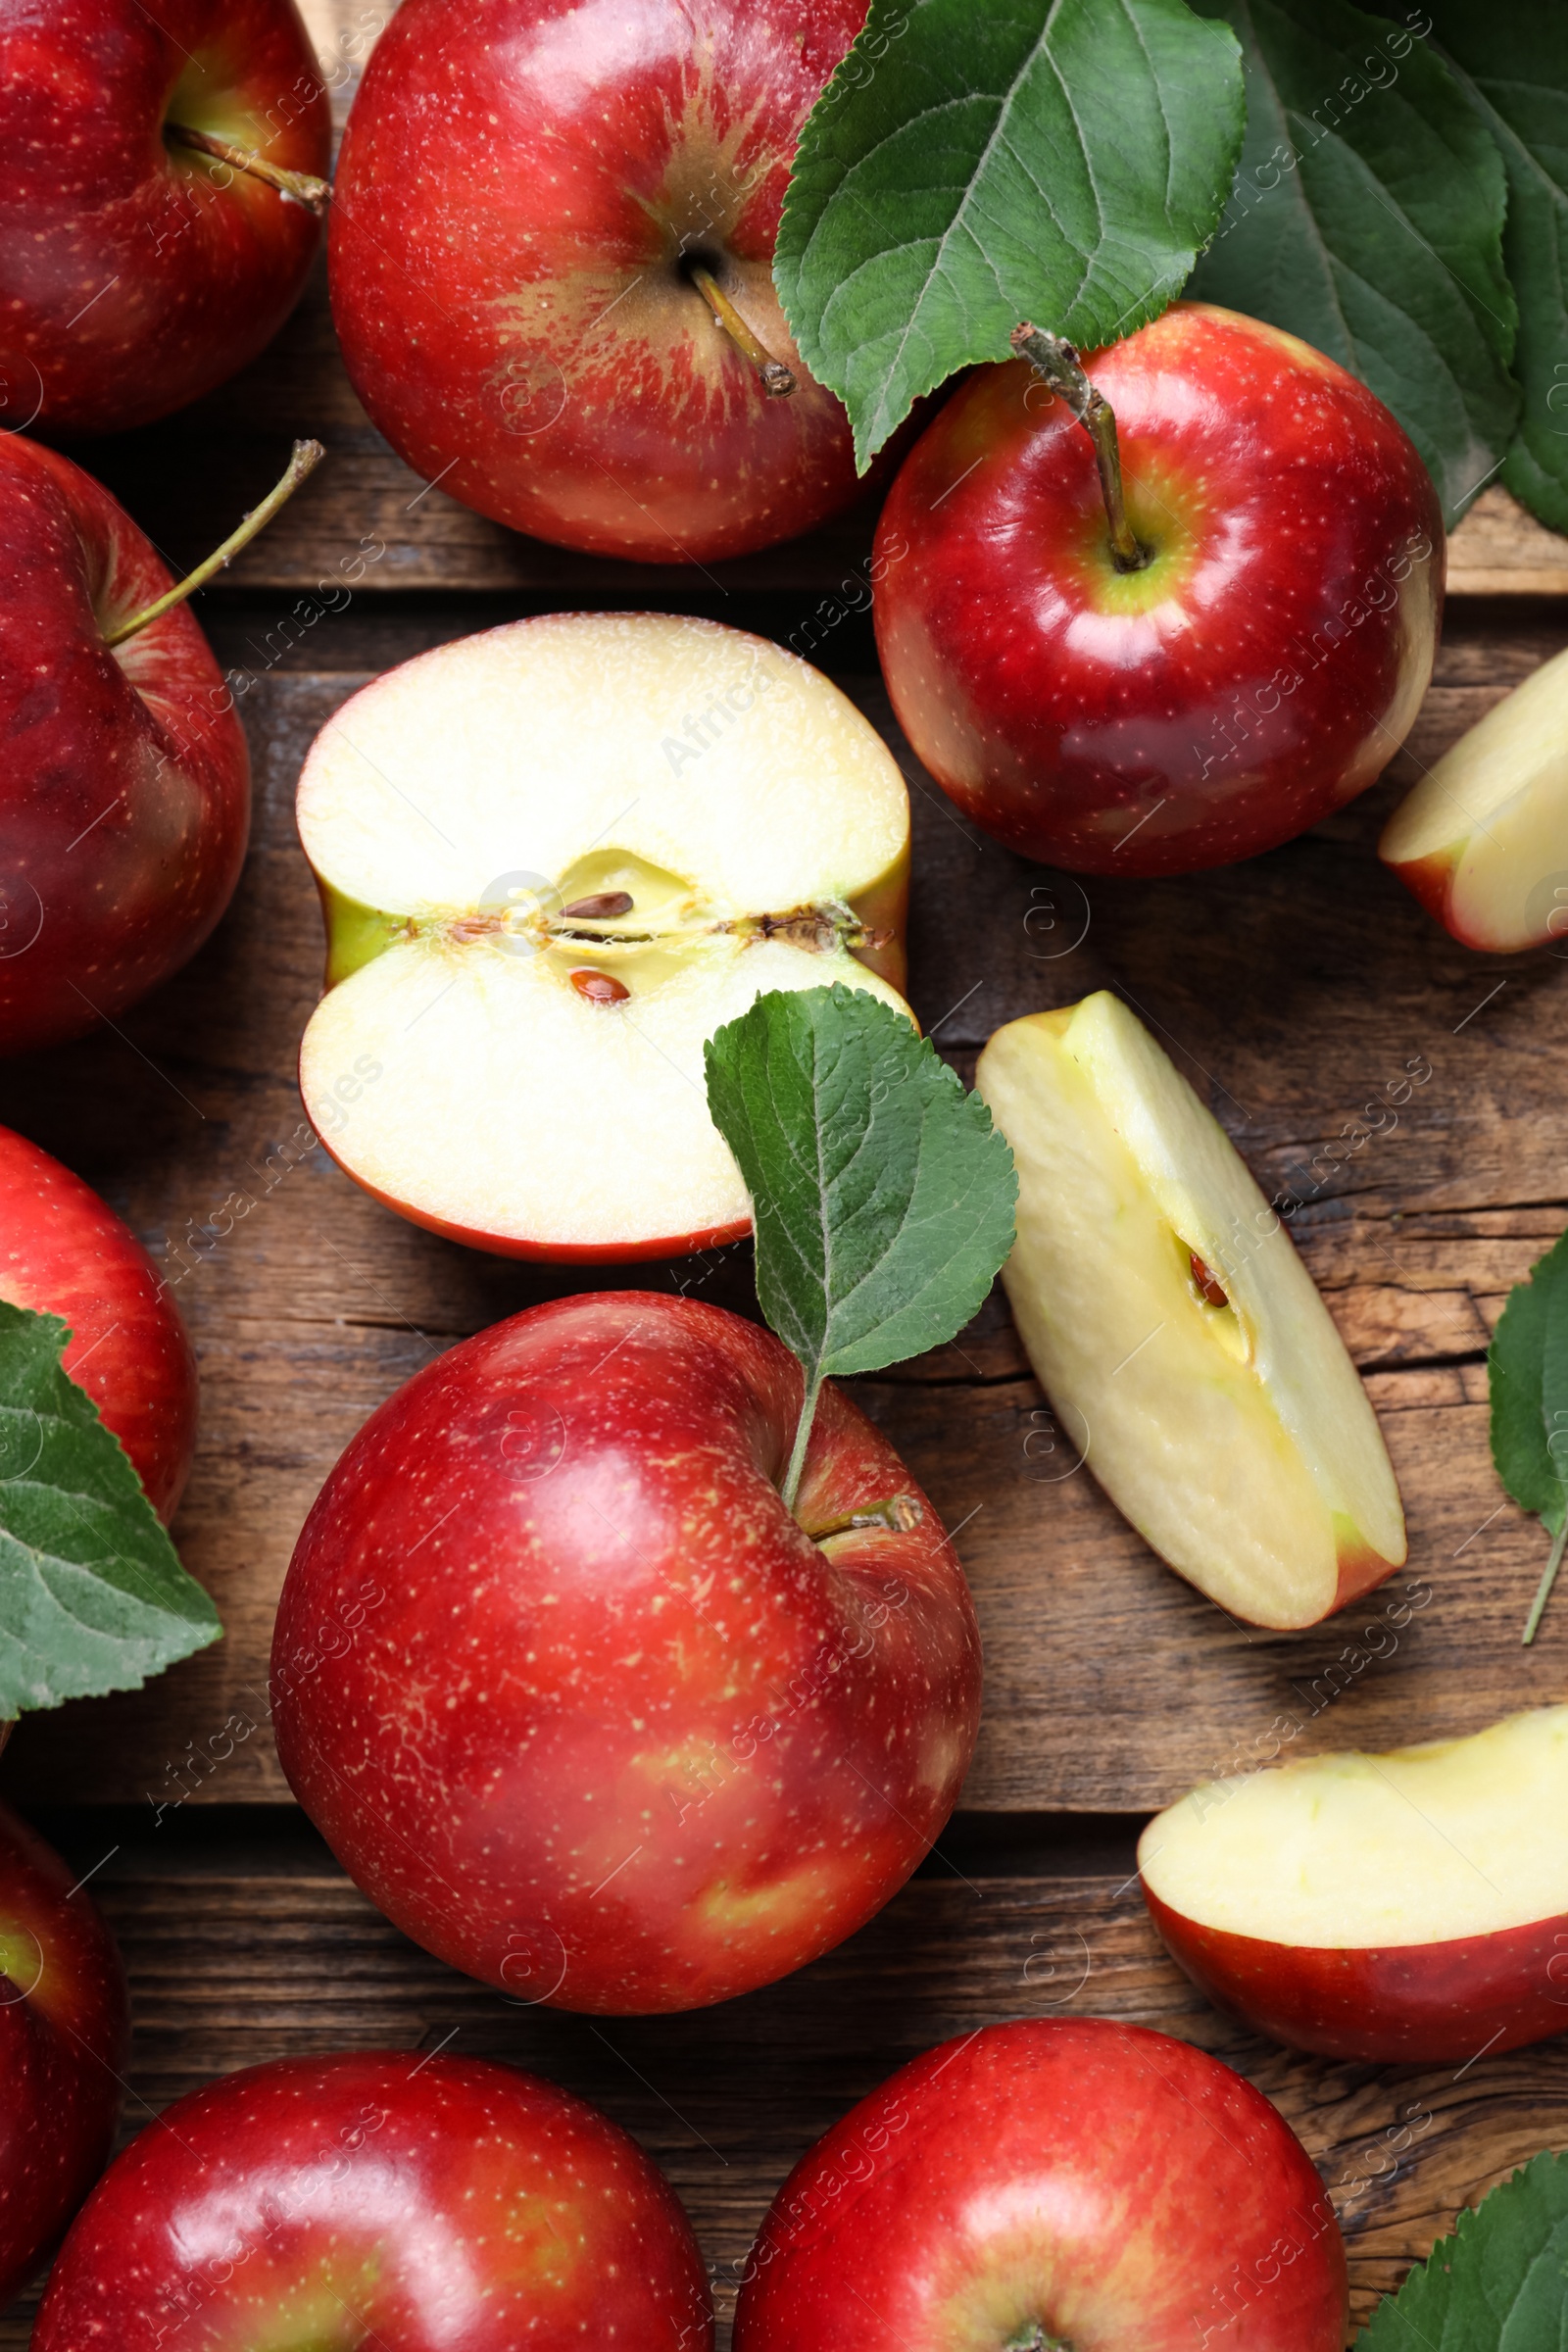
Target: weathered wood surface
232	1966
1300	993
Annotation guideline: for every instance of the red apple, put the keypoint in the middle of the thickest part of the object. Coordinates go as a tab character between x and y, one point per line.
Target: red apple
63	2030
136	269
1056	2182
63	1251
384	2199
525	190
611	1728
125	801
1258	671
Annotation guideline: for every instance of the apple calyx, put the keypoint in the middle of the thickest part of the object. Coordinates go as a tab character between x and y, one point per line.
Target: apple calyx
1057	365
307	456
1033	2339
777	380
900	1512
301	187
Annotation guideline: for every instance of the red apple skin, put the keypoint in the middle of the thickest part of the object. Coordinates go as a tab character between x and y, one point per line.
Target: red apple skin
1144	723
124	797
1115	2188
439	2204
64	1251
65	2028
135	274
1415	2004
609	1731
517	183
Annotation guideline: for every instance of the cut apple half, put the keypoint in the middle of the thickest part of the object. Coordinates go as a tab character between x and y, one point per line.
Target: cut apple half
1481	841
554	858
1404	1907
1175	1329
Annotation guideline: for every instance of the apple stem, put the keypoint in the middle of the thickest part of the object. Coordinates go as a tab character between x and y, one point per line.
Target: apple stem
803	1438
1548	1578
778	382
1057	365
307	456
901	1513
303	186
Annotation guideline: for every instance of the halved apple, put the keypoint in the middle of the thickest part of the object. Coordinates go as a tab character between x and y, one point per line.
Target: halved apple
1406	1907
554	860
1483	838
1175	1329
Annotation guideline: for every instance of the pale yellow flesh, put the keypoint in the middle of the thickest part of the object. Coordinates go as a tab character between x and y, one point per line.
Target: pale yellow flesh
1238	1440
1496	805
1346	1852
460	1073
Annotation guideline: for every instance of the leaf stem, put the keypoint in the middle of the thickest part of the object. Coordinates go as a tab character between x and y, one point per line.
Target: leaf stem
304	186
778	382
803	1438
1548	1578
307	456
1057	365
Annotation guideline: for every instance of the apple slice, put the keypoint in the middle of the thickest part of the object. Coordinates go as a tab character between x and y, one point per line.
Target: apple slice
1409	1908
1483	838
1175	1329
554	858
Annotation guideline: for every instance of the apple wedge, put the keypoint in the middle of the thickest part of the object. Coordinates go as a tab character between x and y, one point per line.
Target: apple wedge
554	858
1481	841
1409	1907
1177	1334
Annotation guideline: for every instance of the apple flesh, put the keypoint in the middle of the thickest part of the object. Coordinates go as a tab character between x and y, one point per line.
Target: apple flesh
554	860
1259	670
612	1730
65	2028
125	801
1175	1329
1048	2184
1407	1909
380	2198
523	191
1481	841
63	1251
136	271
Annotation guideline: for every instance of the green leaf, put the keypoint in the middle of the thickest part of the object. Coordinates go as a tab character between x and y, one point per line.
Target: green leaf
971	166
1512	65
1498	2285
882	1195
1367	218
1526	1368
92	1595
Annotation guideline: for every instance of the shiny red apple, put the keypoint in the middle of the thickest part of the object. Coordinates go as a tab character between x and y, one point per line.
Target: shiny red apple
64	1251
384	2199
1045	2185
63	2030
124	794
525	190
612	1729
138	269
1259	670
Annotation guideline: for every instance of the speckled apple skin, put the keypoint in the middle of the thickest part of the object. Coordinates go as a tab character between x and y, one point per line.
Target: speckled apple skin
1120	2190
125	793
576	1700
1145	723
65	2028
517	183
1418	2004
426	2204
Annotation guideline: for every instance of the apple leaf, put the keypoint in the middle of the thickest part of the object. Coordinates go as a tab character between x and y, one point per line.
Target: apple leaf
1512	65
882	1195
1367	218
1498	2285
92	1595
1527	1369
970	167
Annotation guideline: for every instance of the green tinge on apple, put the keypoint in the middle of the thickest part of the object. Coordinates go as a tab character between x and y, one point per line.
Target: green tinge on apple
1234	1436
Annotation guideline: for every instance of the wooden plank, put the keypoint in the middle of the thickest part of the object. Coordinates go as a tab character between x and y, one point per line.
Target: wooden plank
1294	991
232	1968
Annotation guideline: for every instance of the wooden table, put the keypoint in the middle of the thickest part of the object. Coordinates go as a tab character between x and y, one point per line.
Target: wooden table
1293	991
